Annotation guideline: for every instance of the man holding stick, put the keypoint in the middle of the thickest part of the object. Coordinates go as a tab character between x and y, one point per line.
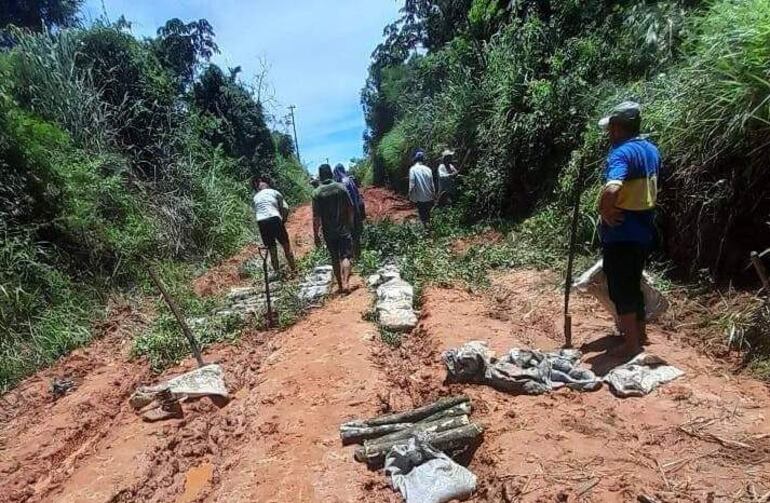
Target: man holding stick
627	209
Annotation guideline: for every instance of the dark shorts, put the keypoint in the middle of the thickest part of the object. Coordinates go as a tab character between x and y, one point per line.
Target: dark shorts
272	230
358	225
340	247
623	266
423	210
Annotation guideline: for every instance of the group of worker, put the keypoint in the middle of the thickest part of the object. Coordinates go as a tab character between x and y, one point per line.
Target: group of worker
626	206
338	215
423	191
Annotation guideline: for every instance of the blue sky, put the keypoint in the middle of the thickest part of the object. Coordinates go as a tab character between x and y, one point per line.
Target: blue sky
318	52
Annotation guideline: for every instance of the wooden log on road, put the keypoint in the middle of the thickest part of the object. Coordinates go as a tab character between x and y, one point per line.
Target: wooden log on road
462	409
444	424
355	434
414	415
447	441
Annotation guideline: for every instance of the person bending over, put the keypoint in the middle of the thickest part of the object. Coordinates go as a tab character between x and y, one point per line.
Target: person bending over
271	209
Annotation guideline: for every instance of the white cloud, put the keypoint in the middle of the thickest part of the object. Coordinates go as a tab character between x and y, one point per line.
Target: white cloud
318	50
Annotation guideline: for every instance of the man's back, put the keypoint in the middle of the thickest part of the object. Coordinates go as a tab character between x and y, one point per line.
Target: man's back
421	188
268	204
331	203
635	165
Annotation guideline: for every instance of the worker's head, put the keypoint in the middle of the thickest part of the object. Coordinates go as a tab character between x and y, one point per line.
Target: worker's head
419	155
623	122
265	182
339	172
447	156
325	172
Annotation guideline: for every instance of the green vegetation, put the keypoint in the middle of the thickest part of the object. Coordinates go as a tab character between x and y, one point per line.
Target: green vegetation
517	88
116	152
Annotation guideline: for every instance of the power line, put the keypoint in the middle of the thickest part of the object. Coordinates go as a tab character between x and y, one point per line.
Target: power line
294	127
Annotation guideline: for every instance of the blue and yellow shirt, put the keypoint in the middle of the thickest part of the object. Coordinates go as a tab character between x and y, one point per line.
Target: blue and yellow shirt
634	165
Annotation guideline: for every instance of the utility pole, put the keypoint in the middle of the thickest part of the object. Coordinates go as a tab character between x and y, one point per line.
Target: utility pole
294	127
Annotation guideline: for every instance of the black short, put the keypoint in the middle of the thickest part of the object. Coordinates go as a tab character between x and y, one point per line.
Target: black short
272	230
340	247
623	266
423	210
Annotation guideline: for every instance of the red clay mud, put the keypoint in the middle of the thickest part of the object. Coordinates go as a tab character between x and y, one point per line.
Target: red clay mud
277	439
677	444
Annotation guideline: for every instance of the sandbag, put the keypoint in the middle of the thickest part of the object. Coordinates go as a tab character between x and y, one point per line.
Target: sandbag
594	282
641	375
423	474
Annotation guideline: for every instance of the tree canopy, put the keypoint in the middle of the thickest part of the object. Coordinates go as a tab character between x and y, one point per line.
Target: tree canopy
39	15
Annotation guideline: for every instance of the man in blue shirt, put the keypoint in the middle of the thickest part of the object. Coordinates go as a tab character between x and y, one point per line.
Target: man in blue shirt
627	209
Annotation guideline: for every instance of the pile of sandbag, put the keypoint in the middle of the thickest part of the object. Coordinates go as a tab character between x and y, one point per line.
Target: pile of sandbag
155	403
317	284
533	372
395	299
521	371
414	446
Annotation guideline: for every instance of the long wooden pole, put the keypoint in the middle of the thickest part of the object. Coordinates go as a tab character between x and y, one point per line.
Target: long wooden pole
571	255
194	347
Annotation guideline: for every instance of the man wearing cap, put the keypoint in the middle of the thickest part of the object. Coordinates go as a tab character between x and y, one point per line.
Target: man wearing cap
627	208
333	213
446	177
421	190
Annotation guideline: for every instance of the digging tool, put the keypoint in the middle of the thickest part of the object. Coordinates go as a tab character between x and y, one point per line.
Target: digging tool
194	347
571	253
264	253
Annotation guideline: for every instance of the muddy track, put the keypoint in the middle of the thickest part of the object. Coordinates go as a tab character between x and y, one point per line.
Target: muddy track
703	437
89	445
677	444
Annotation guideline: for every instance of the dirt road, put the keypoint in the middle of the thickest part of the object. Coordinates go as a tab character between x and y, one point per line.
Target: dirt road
277	440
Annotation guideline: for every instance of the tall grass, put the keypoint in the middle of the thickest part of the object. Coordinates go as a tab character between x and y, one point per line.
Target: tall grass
46	77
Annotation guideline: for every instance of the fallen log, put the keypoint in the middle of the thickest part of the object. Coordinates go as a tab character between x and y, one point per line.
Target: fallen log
414	415
461	409
447	441
444	424
355	434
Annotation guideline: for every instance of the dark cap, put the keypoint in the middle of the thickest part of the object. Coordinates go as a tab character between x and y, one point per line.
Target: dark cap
628	112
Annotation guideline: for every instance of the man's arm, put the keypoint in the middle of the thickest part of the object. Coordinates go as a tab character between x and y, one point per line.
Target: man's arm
283	206
608	210
411	181
617	173
316	224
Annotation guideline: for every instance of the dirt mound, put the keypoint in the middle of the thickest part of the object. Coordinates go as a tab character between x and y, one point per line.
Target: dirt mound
677	444
488	237
226	274
382	204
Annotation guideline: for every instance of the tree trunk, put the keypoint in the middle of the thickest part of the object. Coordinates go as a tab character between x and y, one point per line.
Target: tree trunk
374	455
354	434
412	416
447	423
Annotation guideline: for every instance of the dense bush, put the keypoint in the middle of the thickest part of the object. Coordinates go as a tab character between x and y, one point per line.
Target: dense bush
110	161
518	86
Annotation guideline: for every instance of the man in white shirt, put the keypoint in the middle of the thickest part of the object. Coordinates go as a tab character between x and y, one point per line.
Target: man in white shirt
446	177
272	210
421	188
